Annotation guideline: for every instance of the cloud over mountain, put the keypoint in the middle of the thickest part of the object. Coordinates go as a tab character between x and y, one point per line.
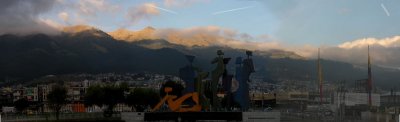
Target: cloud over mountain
22	16
384	51
199	36
360	43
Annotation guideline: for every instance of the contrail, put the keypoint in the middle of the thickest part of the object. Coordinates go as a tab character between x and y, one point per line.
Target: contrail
384	8
236	9
163	9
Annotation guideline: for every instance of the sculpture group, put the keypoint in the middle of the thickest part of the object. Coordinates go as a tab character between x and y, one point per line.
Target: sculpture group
203	95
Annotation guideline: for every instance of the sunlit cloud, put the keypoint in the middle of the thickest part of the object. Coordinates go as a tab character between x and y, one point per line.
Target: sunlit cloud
94	7
143	11
181	3
360	43
52	24
64	16
201	36
384	51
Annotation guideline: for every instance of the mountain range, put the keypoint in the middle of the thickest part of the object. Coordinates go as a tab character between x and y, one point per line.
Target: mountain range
85	49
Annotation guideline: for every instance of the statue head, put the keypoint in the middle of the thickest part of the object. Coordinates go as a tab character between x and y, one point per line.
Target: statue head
249	53
219	52
190	58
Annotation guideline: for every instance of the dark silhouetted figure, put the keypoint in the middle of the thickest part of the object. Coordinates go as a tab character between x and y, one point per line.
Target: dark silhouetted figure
243	70
188	74
216	74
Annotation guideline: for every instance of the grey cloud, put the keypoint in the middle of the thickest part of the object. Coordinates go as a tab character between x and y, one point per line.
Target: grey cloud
22	16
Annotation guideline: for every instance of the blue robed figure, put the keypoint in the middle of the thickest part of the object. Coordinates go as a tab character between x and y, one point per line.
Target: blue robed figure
188	75
243	70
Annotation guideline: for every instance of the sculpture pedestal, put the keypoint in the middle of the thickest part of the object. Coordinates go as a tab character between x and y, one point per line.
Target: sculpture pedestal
192	116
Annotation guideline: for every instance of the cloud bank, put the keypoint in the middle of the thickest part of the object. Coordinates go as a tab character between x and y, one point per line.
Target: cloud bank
23	16
384	51
200	36
385	42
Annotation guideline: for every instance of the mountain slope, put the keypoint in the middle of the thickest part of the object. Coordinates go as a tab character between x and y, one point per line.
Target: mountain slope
88	50
36	55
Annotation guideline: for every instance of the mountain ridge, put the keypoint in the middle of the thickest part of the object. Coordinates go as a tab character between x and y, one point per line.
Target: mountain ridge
32	56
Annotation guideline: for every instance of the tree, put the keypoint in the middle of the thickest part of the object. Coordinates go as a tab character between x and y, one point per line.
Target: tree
140	98
112	96
109	95
57	98
94	96
21	104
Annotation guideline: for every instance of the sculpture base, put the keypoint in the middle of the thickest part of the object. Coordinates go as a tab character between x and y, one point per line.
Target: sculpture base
192	116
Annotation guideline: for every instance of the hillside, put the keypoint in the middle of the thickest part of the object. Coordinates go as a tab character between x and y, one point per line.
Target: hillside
83	49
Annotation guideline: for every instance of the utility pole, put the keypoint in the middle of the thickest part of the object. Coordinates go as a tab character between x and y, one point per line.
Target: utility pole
369	80
395	103
319	69
262	102
341	101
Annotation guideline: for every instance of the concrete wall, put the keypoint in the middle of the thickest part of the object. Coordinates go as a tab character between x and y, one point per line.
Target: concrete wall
132	116
261	116
379	117
352	99
247	116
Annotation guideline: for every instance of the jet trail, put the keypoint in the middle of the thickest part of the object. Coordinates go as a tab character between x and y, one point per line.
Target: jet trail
384	8
231	10
163	9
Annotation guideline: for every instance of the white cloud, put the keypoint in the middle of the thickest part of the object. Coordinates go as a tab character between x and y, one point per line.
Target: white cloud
386	42
143	11
63	16
181	3
384	52
51	23
93	7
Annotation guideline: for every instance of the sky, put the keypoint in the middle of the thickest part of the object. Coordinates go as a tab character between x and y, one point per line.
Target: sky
297	25
315	22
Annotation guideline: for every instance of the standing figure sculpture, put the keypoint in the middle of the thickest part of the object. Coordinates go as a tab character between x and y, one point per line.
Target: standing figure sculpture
199	88
216	74
227	86
243	71
188	74
193	77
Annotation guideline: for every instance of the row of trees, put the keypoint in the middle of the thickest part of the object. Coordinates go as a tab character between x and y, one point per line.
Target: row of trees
111	95
56	99
107	95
